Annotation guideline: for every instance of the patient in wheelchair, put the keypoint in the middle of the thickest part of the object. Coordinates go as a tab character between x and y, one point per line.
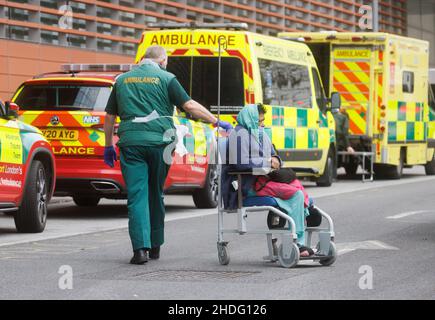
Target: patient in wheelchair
249	147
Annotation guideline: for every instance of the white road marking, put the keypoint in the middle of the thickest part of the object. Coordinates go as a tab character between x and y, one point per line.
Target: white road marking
407	214
346	247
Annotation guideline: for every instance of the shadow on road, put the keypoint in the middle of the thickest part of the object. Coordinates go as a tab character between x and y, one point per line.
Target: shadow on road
68	210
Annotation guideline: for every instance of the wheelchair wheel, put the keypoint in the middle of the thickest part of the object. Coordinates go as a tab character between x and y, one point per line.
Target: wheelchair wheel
332	255
223	256
290	259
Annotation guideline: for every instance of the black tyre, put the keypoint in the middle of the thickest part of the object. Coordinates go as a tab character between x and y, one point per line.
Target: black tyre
332	256
86	201
206	198
429	168
327	177
395	172
32	215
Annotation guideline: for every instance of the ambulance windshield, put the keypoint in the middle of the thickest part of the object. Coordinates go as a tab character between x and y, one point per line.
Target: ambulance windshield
63	97
199	77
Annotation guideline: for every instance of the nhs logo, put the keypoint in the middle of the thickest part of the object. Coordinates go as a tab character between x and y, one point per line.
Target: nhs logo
91	120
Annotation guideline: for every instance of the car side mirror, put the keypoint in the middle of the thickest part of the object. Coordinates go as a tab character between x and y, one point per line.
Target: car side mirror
11	109
335	102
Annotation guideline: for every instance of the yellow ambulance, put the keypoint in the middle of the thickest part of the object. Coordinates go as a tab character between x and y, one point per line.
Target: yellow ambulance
383	83
255	68
431	134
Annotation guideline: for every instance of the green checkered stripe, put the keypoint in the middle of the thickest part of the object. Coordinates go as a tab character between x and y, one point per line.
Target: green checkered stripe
409	116
287	128
431	115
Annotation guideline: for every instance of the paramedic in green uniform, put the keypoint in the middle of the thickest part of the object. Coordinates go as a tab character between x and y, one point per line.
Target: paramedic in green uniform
144	99
342	131
342	135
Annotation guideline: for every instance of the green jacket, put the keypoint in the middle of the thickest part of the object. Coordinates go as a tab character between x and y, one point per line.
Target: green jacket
146	91
342	130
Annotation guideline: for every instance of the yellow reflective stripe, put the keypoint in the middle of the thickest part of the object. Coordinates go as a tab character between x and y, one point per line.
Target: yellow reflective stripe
401	130
410	111
290	117
268	116
324	138
392	111
200	140
278	136
69	79
29	117
419	130
313	116
302	138
11	144
17	93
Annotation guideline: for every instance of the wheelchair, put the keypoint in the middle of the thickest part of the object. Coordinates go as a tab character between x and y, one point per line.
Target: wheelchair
279	223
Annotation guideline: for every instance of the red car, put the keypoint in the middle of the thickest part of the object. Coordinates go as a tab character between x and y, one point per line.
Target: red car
27	171
68	107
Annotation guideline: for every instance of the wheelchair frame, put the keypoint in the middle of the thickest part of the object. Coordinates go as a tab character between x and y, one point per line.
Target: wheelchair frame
287	254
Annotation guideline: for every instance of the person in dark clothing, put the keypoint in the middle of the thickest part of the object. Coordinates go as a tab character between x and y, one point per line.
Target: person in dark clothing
342	131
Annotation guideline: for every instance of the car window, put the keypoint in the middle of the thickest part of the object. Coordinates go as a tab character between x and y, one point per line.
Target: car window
63	97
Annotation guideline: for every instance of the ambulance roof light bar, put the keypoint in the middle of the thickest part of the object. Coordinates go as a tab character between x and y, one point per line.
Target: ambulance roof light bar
73	68
196	25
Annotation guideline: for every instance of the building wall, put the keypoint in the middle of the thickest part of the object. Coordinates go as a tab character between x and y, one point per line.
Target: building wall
20	61
47	33
421	23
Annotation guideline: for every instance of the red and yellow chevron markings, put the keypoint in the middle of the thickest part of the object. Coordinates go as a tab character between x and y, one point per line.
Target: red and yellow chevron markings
352	81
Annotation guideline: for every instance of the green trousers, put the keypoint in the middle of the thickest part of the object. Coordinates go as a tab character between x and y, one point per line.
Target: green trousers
144	173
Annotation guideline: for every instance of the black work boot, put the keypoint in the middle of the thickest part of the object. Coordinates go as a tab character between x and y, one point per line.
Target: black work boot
140	256
155	253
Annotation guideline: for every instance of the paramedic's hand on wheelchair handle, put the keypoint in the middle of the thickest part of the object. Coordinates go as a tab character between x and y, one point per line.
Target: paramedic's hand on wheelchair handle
224	125
109	156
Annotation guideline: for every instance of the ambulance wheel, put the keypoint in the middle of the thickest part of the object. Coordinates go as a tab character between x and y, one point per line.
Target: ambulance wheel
292	259
206	198
395	172
332	255
86	201
386	171
430	167
32	215
326	178
224	257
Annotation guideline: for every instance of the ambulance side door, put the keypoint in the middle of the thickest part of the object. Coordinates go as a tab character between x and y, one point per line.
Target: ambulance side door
325	136
11	169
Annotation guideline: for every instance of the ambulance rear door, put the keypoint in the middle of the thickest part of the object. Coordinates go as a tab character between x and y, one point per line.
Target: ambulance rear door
353	77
